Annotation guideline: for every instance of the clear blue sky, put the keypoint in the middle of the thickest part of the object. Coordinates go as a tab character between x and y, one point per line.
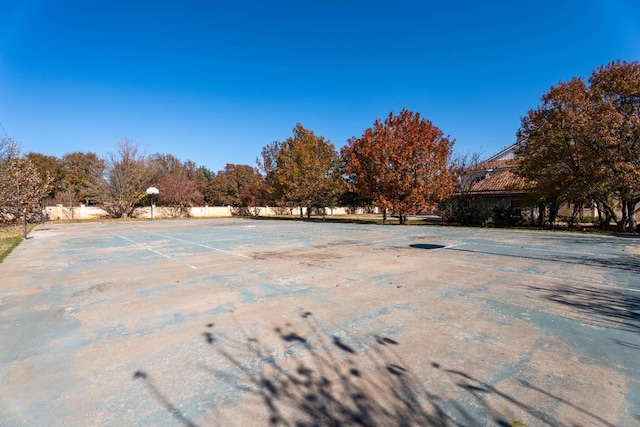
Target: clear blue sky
215	81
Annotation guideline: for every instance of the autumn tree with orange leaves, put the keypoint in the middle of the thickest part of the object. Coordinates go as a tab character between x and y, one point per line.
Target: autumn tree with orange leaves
401	164
581	145
303	171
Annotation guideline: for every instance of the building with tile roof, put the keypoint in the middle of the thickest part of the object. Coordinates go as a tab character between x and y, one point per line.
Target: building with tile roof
494	185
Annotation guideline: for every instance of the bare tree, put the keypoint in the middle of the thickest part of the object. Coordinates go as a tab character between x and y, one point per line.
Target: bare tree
465	167
22	188
121	185
8	148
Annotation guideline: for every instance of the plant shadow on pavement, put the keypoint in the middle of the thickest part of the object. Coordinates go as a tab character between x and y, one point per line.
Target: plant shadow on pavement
321	381
481	391
626	263
312	379
162	399
603	307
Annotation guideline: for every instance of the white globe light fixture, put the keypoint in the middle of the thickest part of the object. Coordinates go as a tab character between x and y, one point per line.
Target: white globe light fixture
152	191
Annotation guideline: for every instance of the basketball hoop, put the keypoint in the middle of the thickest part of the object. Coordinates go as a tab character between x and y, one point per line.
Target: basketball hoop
152	191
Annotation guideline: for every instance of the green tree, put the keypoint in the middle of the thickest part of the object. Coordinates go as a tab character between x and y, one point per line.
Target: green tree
79	176
401	164
352	201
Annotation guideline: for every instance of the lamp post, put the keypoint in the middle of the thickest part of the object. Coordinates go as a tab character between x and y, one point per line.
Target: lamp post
152	191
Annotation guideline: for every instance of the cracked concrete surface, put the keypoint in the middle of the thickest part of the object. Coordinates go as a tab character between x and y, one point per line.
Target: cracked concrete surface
254	322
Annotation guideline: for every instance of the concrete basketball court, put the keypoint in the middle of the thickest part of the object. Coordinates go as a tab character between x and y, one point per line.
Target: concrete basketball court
256	322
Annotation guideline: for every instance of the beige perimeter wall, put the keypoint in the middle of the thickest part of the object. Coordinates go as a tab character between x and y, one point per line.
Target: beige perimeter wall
60	212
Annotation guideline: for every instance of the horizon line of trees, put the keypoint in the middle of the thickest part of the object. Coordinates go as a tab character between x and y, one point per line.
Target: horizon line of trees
581	145
305	170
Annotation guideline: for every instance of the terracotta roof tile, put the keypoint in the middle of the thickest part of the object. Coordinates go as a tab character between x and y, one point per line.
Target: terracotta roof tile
504	182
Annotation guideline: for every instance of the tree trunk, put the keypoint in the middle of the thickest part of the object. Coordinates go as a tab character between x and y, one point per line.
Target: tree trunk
622	224
71	203
541	213
24	223
610	213
600	219
553	213
301	213
631	212
384	215
575	215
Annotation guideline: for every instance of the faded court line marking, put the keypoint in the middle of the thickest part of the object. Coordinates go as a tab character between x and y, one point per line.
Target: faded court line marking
447	247
155	251
203	246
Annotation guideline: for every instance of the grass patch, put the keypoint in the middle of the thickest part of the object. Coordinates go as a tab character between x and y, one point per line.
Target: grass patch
10	237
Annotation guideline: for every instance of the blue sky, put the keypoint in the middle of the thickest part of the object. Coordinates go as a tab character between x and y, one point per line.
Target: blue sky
214	81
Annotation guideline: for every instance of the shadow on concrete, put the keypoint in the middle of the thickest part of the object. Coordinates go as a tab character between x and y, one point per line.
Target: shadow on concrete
311	378
162	399
331	381
326	385
627	344
425	246
606	307
626	263
484	393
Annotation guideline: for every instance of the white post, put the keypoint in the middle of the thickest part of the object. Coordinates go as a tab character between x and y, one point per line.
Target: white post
152	191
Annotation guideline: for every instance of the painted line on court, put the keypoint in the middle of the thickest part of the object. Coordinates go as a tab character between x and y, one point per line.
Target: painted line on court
203	246
447	247
128	240
155	251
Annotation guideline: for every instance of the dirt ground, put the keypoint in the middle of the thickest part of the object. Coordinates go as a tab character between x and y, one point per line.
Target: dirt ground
258	322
